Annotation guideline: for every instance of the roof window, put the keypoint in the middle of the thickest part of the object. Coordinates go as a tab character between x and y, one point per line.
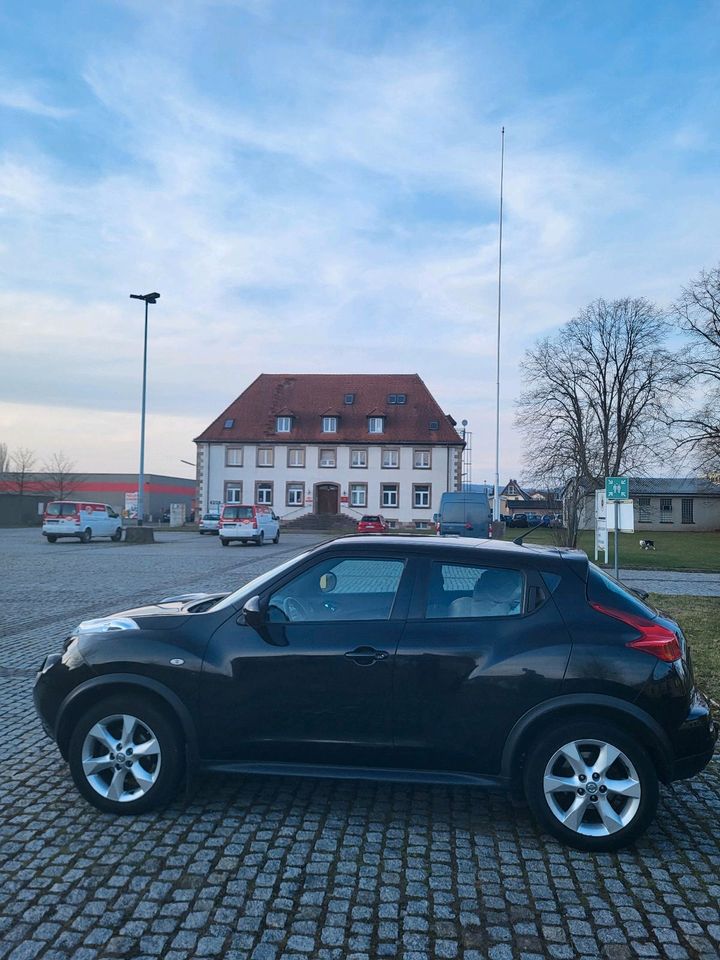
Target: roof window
229	423
349	398
434	425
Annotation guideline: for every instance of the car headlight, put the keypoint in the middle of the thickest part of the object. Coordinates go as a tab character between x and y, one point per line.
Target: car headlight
106	625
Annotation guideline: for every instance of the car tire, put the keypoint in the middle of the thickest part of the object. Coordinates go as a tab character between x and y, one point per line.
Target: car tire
604	756
261	539
224	542
117	536
201	532
276	538
116	781
51	538
86	535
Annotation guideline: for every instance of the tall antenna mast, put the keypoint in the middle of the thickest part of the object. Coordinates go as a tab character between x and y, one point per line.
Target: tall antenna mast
496	498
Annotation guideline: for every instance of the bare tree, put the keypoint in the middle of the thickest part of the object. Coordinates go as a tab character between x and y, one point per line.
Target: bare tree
22	464
597	393
60	480
698	314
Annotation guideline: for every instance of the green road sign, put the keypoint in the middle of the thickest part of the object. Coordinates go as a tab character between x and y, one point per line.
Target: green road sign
617	488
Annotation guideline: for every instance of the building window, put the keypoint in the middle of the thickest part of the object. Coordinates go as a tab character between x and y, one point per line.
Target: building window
329	424
375	424
686	505
296	457
265	456
666	510
358	458
294	494
421	459
358	494
422	524
390	494
229	424
644	512
283	424
328	457
421	495
390	459
264	492
233	456
434	425
233	493
349	399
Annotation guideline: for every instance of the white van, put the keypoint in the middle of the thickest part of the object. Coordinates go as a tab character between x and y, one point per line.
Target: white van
245	522
78	518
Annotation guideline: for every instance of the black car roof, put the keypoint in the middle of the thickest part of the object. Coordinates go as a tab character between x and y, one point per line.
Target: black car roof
470	548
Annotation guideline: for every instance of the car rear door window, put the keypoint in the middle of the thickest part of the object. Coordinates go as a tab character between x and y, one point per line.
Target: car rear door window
474	592
339	589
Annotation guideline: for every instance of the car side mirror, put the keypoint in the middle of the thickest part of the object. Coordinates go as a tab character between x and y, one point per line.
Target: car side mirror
253	613
643	594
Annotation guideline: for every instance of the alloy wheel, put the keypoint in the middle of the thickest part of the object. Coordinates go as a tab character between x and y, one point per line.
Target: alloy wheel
121	758
592	787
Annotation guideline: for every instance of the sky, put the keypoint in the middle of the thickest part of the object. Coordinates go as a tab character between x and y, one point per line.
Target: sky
314	187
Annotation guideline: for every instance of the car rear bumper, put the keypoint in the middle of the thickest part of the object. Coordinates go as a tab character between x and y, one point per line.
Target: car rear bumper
695	739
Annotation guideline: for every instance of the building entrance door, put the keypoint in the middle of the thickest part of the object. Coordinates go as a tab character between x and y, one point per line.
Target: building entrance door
326	498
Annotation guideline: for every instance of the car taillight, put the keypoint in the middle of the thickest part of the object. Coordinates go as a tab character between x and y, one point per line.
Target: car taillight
254	524
658	641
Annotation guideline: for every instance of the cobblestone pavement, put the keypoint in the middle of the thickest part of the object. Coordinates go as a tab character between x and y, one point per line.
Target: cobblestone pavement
286	869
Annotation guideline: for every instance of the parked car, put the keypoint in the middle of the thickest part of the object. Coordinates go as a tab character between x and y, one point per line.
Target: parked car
372	523
210	523
519	520
80	519
464	514
435	660
248	522
557	520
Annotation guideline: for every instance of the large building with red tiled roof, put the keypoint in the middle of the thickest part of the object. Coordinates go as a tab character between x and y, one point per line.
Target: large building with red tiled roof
330	444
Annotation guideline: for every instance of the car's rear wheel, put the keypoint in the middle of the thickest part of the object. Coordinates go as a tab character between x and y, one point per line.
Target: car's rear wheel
591	785
261	539
51	538
117	536
86	535
224	542
125	755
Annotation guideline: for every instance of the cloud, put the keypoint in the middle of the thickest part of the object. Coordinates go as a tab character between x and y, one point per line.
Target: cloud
26	101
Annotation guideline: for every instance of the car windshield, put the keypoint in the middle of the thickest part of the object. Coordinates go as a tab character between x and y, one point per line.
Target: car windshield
252	587
62	509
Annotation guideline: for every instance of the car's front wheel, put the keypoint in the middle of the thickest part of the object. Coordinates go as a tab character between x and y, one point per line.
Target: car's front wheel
125	755
591	785
117	536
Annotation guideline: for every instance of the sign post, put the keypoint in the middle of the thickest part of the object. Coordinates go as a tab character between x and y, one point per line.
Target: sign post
617	489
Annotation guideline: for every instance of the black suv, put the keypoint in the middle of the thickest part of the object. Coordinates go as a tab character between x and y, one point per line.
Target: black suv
470	662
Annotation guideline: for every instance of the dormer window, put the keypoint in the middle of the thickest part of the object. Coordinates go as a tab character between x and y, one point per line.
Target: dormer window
283	424
329	424
376	424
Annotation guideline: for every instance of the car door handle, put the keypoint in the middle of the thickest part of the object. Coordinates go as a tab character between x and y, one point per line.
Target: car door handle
365	656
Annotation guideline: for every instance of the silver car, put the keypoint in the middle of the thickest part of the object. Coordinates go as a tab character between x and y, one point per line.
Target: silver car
209	523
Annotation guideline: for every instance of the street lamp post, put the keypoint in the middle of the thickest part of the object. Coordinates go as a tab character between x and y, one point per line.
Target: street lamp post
148	298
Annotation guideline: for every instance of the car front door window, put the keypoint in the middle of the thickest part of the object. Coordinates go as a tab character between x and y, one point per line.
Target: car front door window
339	589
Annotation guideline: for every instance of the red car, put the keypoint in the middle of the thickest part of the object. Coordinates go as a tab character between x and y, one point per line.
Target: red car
372	523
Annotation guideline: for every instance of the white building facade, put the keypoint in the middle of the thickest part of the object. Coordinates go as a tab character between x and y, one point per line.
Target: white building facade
332	444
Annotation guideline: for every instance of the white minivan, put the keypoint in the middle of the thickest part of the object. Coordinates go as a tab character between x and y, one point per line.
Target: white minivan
239	521
78	518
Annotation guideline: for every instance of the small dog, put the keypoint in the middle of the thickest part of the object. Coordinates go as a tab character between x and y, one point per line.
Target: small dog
647	544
